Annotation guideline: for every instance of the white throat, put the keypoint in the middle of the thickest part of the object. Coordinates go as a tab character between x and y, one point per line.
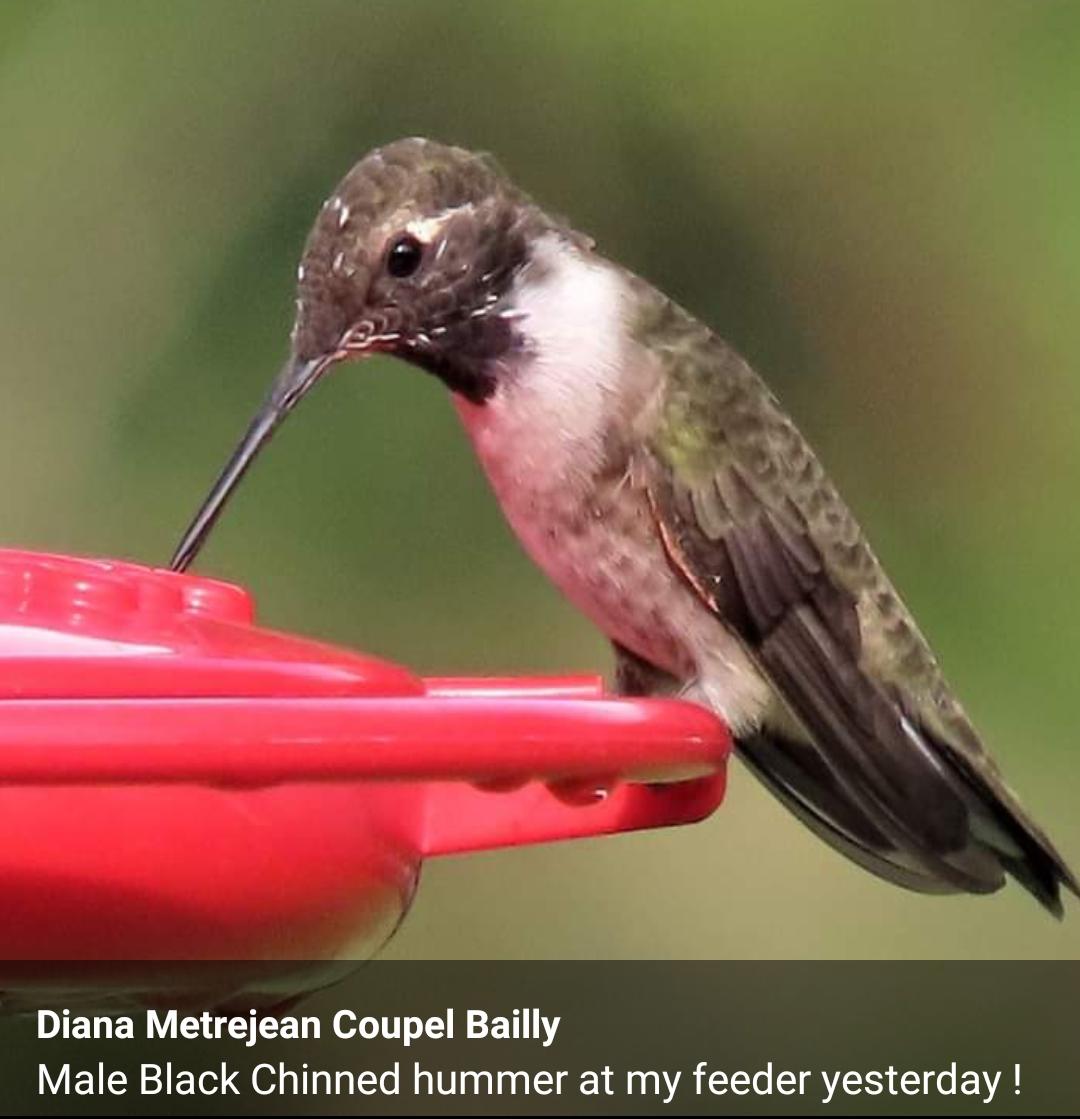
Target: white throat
555	400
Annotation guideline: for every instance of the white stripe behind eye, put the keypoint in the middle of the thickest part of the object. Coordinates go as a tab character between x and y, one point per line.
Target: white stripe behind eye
427	229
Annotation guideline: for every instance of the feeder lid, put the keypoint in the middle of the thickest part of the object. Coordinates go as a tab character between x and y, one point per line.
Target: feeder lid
76	628
128	673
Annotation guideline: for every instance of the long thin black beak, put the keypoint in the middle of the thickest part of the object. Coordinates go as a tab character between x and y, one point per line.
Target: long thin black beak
292	385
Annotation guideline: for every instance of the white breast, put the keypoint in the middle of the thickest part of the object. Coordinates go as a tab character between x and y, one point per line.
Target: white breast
545	424
544	440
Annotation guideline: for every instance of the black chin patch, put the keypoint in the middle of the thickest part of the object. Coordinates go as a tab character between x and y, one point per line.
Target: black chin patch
467	356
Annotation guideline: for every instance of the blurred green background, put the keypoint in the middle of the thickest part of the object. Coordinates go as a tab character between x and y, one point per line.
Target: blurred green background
876	202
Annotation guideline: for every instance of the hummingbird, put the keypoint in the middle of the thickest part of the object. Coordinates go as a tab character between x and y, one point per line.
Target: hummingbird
657	481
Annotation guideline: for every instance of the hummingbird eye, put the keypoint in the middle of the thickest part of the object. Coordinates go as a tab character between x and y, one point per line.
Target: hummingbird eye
404	256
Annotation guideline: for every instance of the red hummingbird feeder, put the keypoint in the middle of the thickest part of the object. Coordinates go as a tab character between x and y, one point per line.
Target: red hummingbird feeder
179	784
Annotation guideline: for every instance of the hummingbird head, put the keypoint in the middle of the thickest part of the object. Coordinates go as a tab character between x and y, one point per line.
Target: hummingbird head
414	255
